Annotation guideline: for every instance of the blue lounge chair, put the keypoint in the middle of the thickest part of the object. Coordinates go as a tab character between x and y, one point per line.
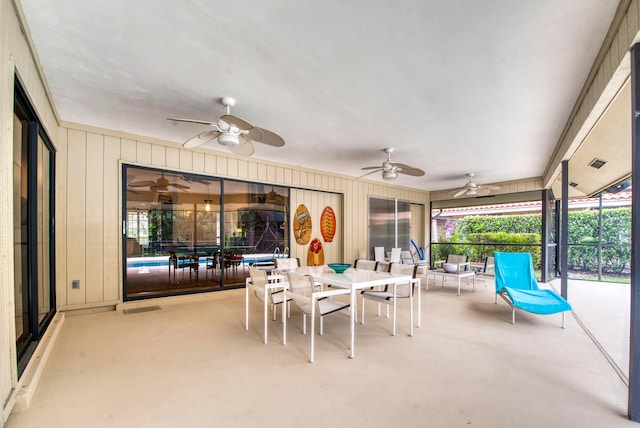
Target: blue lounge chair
516	284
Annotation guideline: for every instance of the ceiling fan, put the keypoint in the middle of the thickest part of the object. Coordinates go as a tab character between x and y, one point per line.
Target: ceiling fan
162	184
390	170
272	197
231	131
473	189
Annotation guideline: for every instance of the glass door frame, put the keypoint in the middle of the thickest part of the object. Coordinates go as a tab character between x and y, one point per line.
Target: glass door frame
35	136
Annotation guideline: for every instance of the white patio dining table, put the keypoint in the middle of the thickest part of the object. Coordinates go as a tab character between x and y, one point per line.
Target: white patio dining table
353	279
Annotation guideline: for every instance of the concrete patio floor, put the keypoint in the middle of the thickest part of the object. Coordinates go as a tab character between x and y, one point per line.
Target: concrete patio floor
192	364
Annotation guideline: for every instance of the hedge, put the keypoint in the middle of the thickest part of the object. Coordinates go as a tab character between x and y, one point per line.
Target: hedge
525	229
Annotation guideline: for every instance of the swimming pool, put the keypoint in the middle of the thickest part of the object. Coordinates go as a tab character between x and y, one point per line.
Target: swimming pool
163	261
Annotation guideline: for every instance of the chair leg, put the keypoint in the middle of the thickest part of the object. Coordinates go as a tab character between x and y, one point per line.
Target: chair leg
362	309
394	314
563	319
513	316
411	312
304	324
265	318
246	308
321	325
313	316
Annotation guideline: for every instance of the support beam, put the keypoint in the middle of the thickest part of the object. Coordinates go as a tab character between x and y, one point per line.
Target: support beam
634	341
544	265
564	230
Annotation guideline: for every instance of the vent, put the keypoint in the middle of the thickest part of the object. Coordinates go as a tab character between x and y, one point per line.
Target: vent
597	163
141	309
573	184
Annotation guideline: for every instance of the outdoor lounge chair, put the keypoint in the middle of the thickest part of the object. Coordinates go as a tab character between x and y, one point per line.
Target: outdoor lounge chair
516	284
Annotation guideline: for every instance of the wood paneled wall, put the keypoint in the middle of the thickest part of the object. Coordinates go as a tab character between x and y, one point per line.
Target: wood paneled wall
92	223
15	58
316	201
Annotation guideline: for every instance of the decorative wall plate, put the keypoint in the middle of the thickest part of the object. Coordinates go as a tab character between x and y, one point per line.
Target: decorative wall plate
302	225
328	224
315	255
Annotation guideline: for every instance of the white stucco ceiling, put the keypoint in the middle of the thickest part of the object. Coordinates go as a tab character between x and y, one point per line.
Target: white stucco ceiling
455	87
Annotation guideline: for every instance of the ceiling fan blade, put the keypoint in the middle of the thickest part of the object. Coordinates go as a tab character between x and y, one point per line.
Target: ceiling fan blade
490	187
460	192
372	167
482	191
267	137
237	122
377	168
142	183
244	149
179	186
200	139
255	134
409	170
203	122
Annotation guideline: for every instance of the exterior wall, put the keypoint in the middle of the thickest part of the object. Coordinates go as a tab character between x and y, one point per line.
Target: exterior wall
15	57
90	219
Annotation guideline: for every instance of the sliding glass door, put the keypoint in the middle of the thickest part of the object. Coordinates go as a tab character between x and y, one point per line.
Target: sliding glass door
188	233
33	202
389	224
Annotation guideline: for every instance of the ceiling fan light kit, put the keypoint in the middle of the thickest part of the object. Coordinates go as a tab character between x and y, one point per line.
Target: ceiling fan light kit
228	139
389	175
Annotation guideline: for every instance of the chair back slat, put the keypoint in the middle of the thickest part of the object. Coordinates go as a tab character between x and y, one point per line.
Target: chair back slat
288	263
394	257
403	290
365	264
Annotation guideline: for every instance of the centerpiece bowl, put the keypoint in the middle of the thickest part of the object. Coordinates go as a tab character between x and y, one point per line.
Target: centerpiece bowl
339	267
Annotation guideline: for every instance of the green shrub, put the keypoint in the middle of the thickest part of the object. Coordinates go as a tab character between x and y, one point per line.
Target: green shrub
526	229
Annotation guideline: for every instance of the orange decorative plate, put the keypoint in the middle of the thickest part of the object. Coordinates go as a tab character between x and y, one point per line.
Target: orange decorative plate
315	256
328	224
302	225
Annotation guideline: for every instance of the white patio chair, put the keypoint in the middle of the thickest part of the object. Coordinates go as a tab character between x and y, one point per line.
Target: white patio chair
378	253
487	271
385	295
365	264
313	303
268	289
288	263
395	255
